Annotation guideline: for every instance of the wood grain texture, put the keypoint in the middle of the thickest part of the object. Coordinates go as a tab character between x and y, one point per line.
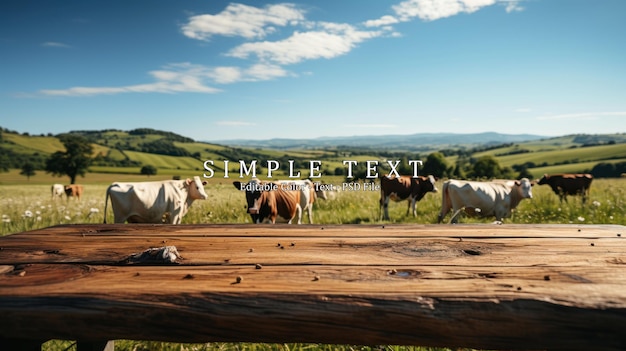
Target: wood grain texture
479	286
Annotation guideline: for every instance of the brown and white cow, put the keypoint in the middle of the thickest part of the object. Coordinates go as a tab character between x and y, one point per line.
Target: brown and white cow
75	190
269	200
404	188
568	184
57	191
497	198
307	194
153	202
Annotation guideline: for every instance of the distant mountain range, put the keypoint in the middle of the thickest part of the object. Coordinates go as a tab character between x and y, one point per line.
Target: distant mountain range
420	141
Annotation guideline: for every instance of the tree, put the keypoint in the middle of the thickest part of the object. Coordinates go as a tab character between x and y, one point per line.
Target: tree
436	165
148	170
28	170
488	167
74	161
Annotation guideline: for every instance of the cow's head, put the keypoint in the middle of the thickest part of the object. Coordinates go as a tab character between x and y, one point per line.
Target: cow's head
254	197
196	188
430	184
525	188
543	180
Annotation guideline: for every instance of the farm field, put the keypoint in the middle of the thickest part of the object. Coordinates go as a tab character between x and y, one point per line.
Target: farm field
29	207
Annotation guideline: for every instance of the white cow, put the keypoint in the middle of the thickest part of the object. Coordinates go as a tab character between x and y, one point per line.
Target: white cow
307	195
496	198
58	190
153	202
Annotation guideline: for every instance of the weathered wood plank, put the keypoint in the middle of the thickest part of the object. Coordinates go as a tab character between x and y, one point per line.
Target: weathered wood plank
492	287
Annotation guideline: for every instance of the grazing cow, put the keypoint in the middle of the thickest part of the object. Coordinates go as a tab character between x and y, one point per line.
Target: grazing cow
568	184
153	202
268	200
57	191
404	188
307	194
325	191
496	198
75	190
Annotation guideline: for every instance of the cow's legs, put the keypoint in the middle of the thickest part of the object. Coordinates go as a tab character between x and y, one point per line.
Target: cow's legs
310	211
384	204
412	203
299	213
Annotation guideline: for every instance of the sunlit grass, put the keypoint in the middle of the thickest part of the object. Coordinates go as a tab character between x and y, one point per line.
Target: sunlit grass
26	207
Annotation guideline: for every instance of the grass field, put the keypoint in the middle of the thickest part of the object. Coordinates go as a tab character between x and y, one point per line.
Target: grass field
28	205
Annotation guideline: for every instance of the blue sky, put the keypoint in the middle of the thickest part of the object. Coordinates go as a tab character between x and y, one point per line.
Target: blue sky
214	70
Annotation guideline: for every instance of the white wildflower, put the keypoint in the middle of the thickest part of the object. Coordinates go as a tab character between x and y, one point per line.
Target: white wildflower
68	218
581	219
27	214
596	203
6	219
38	218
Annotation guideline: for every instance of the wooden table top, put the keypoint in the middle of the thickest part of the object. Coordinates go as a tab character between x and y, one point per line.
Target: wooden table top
473	285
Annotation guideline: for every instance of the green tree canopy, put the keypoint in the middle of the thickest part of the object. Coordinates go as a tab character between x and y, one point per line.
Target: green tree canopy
148	170
436	165
28	170
74	161
487	167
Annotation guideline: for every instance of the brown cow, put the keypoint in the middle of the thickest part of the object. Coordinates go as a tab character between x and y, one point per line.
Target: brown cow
568	184
403	188
267	200
74	190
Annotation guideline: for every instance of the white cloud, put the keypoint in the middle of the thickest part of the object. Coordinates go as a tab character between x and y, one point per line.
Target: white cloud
330	41
182	77
235	123
383	21
430	10
310	40
260	72
512	6
585	115
242	20
55	44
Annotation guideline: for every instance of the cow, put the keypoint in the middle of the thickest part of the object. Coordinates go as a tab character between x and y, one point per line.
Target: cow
75	190
568	184
57	191
307	194
326	191
402	188
497	198
153	202
268	200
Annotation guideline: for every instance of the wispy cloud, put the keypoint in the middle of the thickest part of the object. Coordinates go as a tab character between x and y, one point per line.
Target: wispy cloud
430	10
55	44
243	20
176	78
585	115
330	41
235	123
512	6
182	78
305	40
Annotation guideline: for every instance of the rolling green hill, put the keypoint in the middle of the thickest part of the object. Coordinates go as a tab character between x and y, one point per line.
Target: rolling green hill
125	152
